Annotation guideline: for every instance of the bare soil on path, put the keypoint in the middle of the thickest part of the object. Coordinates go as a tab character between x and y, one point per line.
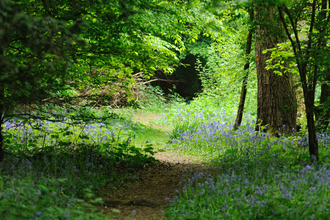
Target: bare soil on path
148	191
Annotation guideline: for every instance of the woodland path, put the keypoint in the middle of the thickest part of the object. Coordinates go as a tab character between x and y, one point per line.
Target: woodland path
148	191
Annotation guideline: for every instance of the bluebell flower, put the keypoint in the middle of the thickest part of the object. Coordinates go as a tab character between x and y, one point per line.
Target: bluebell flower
38	213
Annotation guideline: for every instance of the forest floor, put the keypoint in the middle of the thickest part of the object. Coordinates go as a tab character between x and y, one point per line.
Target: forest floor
148	191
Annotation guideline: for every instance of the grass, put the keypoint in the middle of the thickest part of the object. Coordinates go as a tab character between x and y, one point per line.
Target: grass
149	126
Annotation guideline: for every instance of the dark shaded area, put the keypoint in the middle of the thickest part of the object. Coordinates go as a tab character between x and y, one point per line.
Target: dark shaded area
185	79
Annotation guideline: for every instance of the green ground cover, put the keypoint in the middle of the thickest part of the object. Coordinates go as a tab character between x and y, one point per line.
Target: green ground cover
58	170
261	177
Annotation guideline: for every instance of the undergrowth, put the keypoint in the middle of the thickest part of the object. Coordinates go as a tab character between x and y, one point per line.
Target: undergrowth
259	176
57	169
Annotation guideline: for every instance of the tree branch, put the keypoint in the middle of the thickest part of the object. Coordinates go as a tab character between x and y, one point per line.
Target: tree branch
290	38
294	27
309	44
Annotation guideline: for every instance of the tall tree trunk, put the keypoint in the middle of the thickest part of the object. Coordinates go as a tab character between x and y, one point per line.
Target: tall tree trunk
240	110
277	105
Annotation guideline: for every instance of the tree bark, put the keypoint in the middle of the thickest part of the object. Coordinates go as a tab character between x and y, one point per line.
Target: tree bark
277	104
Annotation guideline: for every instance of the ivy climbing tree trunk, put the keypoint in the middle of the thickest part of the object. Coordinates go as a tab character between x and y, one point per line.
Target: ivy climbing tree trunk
277	105
240	110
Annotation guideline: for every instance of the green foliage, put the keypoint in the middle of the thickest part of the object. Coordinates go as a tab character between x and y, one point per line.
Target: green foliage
111	138
123	37
282	58
35	56
25	199
151	98
180	126
221	64
43	58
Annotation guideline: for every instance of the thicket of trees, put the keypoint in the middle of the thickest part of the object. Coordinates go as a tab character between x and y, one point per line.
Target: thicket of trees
304	24
51	49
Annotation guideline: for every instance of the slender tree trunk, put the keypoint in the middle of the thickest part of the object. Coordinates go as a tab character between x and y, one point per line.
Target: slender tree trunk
309	89
240	110
239	116
277	105
307	76
312	138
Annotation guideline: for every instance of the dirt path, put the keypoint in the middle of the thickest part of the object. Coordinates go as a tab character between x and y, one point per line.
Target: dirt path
149	190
